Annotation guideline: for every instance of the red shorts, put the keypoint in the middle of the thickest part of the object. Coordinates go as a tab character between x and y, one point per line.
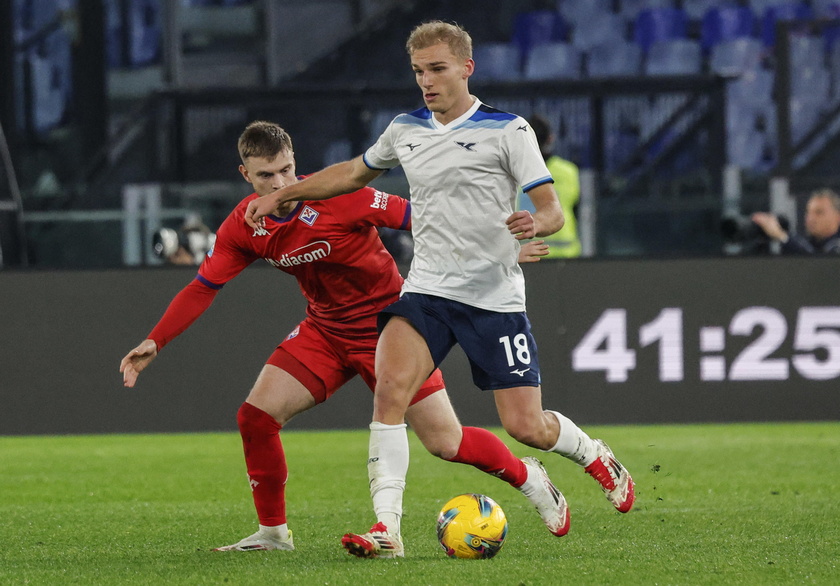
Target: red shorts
324	361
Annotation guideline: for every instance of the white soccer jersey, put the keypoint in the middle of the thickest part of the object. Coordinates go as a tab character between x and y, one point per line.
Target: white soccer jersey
464	177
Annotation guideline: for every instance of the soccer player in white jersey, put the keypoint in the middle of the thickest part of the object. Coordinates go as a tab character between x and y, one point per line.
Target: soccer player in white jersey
464	162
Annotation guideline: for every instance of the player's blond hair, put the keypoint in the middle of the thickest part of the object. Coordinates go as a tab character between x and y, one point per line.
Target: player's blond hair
436	31
264	140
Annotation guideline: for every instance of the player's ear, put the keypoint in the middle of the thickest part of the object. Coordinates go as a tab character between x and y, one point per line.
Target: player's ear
469	68
245	174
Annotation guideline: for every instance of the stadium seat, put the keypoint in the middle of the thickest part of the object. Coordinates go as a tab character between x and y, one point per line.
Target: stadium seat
553	61
804	115
826	8
674	57
538	27
604	29
499	61
724	23
144	32
695	9
753	87
782	11
630	9
812	82
659	24
735	56
807	51
576	12
614	59
51	78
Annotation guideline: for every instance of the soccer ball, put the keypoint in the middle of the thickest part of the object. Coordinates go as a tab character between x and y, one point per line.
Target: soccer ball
471	526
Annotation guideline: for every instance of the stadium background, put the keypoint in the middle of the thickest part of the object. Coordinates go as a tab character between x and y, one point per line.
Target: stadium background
121	116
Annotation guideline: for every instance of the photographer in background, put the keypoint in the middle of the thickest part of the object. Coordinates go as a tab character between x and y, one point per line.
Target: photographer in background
188	245
822	226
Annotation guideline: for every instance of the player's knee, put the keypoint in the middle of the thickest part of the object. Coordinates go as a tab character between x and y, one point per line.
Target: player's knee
443	446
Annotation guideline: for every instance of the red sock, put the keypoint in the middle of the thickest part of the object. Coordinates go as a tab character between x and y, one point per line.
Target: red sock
485	451
266	463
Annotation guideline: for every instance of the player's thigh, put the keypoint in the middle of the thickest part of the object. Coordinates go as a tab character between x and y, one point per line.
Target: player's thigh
434	421
403	361
280	394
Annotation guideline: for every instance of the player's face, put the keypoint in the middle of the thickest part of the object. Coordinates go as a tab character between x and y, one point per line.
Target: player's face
267	175
821	218
443	78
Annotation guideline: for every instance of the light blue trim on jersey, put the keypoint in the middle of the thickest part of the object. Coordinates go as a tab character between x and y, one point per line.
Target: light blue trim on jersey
485	123
534	184
486	117
369	166
421	117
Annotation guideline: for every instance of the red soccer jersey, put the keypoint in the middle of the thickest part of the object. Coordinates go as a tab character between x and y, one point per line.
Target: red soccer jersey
331	247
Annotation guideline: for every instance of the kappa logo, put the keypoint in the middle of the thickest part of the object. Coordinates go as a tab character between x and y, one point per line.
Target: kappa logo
467	146
310	253
259	231
254	484
520	372
308	215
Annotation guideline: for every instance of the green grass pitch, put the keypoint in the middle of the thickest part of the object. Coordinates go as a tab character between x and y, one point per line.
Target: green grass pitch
716	504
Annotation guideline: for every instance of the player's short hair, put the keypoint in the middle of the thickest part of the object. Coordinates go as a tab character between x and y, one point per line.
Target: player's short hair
830	194
436	31
264	140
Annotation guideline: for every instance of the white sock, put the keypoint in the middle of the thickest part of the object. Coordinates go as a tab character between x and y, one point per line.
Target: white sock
573	443
280	532
387	468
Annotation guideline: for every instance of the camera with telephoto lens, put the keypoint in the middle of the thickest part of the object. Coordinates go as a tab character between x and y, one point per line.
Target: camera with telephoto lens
187	245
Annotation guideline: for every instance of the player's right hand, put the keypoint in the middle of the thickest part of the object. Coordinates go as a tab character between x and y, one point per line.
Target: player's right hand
135	361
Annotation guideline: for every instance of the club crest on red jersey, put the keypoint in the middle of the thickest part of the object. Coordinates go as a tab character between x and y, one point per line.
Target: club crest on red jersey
308	215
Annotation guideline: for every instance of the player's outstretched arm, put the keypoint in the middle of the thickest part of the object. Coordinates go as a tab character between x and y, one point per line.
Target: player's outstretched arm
333	181
137	360
532	250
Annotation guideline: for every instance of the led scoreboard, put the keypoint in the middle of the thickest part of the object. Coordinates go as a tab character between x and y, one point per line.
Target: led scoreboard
748	338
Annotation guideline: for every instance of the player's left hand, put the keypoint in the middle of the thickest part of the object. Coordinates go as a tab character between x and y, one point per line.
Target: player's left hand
532	250
522	225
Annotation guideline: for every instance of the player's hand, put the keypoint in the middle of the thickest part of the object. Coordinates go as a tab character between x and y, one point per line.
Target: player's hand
522	225
258	209
532	250
135	361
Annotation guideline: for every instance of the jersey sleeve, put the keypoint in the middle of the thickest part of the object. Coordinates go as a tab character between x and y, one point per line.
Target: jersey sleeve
183	310
230	254
371	207
383	155
522	156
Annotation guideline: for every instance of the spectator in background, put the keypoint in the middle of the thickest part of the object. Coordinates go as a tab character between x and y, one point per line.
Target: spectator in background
565	243
822	226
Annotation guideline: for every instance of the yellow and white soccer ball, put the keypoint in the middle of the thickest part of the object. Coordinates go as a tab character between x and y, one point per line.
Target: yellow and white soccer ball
471	526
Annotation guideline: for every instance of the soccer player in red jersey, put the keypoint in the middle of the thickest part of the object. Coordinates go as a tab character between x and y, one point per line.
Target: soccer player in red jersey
333	250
